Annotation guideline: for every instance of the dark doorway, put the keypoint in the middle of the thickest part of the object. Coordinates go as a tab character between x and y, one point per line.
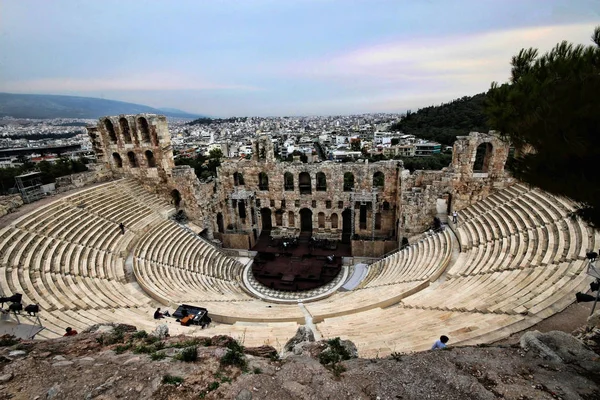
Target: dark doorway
220	225
306	220
176	197
346	225
265	214
449	209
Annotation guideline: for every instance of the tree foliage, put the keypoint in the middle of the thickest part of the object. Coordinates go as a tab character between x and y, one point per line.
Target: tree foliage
550	111
445	122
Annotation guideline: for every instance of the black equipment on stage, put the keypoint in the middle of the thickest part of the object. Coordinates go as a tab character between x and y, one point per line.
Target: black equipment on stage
32	309
584	298
15	298
16	307
199	315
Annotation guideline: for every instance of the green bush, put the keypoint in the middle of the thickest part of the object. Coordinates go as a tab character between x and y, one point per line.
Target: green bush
172	380
157	356
235	355
143	349
140	334
122	348
189	354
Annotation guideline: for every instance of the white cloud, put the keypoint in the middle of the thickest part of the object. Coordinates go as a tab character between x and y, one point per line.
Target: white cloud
136	82
482	57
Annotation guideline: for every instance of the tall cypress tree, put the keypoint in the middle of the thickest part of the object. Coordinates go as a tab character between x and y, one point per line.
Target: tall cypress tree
550	111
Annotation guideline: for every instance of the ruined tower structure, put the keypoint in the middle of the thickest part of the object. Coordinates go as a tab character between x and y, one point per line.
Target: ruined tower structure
370	205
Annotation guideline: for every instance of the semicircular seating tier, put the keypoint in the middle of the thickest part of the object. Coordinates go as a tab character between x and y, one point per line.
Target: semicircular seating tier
69	256
522	259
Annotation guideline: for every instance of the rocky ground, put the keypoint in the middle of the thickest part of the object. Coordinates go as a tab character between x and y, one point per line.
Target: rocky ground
118	363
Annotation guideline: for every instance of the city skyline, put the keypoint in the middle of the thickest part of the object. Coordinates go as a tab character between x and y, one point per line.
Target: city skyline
273	58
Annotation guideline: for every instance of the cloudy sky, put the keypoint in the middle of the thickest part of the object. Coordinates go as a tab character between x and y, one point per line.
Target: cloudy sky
277	57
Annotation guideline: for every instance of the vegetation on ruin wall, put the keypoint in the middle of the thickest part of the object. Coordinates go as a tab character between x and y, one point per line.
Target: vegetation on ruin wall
551	105
445	122
204	167
50	171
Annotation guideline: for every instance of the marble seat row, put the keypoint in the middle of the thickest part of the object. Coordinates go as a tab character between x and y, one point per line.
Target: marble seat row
379	332
510	292
419	261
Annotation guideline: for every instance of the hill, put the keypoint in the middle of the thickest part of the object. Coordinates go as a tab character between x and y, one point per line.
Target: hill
107	363
444	122
54	106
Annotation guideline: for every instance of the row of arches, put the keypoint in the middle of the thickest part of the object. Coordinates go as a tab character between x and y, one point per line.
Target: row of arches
133	161
306	220
146	134
305	181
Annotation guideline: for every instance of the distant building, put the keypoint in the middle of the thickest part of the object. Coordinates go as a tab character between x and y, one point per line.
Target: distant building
427	149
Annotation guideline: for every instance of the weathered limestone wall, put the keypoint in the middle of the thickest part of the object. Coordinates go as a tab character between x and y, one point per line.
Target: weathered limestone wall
325	202
97	173
458	184
247	194
139	146
237	240
377	248
10	203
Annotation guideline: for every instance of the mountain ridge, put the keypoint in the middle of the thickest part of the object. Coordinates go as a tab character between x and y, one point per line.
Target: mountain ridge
48	106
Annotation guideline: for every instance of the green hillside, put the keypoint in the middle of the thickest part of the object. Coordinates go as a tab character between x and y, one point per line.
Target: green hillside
444	122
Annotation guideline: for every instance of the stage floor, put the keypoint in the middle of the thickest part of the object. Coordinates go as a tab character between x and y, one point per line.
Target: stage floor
301	268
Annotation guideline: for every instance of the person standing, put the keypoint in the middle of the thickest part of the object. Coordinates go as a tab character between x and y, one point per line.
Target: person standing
454	217
122	228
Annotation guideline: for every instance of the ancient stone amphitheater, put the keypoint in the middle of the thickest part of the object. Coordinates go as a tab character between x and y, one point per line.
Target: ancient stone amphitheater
514	259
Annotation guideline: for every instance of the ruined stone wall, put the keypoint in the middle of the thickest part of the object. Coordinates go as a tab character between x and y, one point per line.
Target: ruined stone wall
236	205
459	183
10	203
139	146
377	248
96	173
329	200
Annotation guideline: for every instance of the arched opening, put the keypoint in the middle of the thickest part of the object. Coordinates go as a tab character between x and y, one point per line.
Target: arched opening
117	159
278	217
304	183
386	206
348	182
220	224
321	182
150	159
483	158
377	221
176	196
288	181
346	225
306	220
291	219
265	215
132	160
154	137
263	181
238	179
144	129
110	129
321	220
334	221
378	179
125	130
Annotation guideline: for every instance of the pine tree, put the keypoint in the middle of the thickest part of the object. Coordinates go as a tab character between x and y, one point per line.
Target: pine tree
550	112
